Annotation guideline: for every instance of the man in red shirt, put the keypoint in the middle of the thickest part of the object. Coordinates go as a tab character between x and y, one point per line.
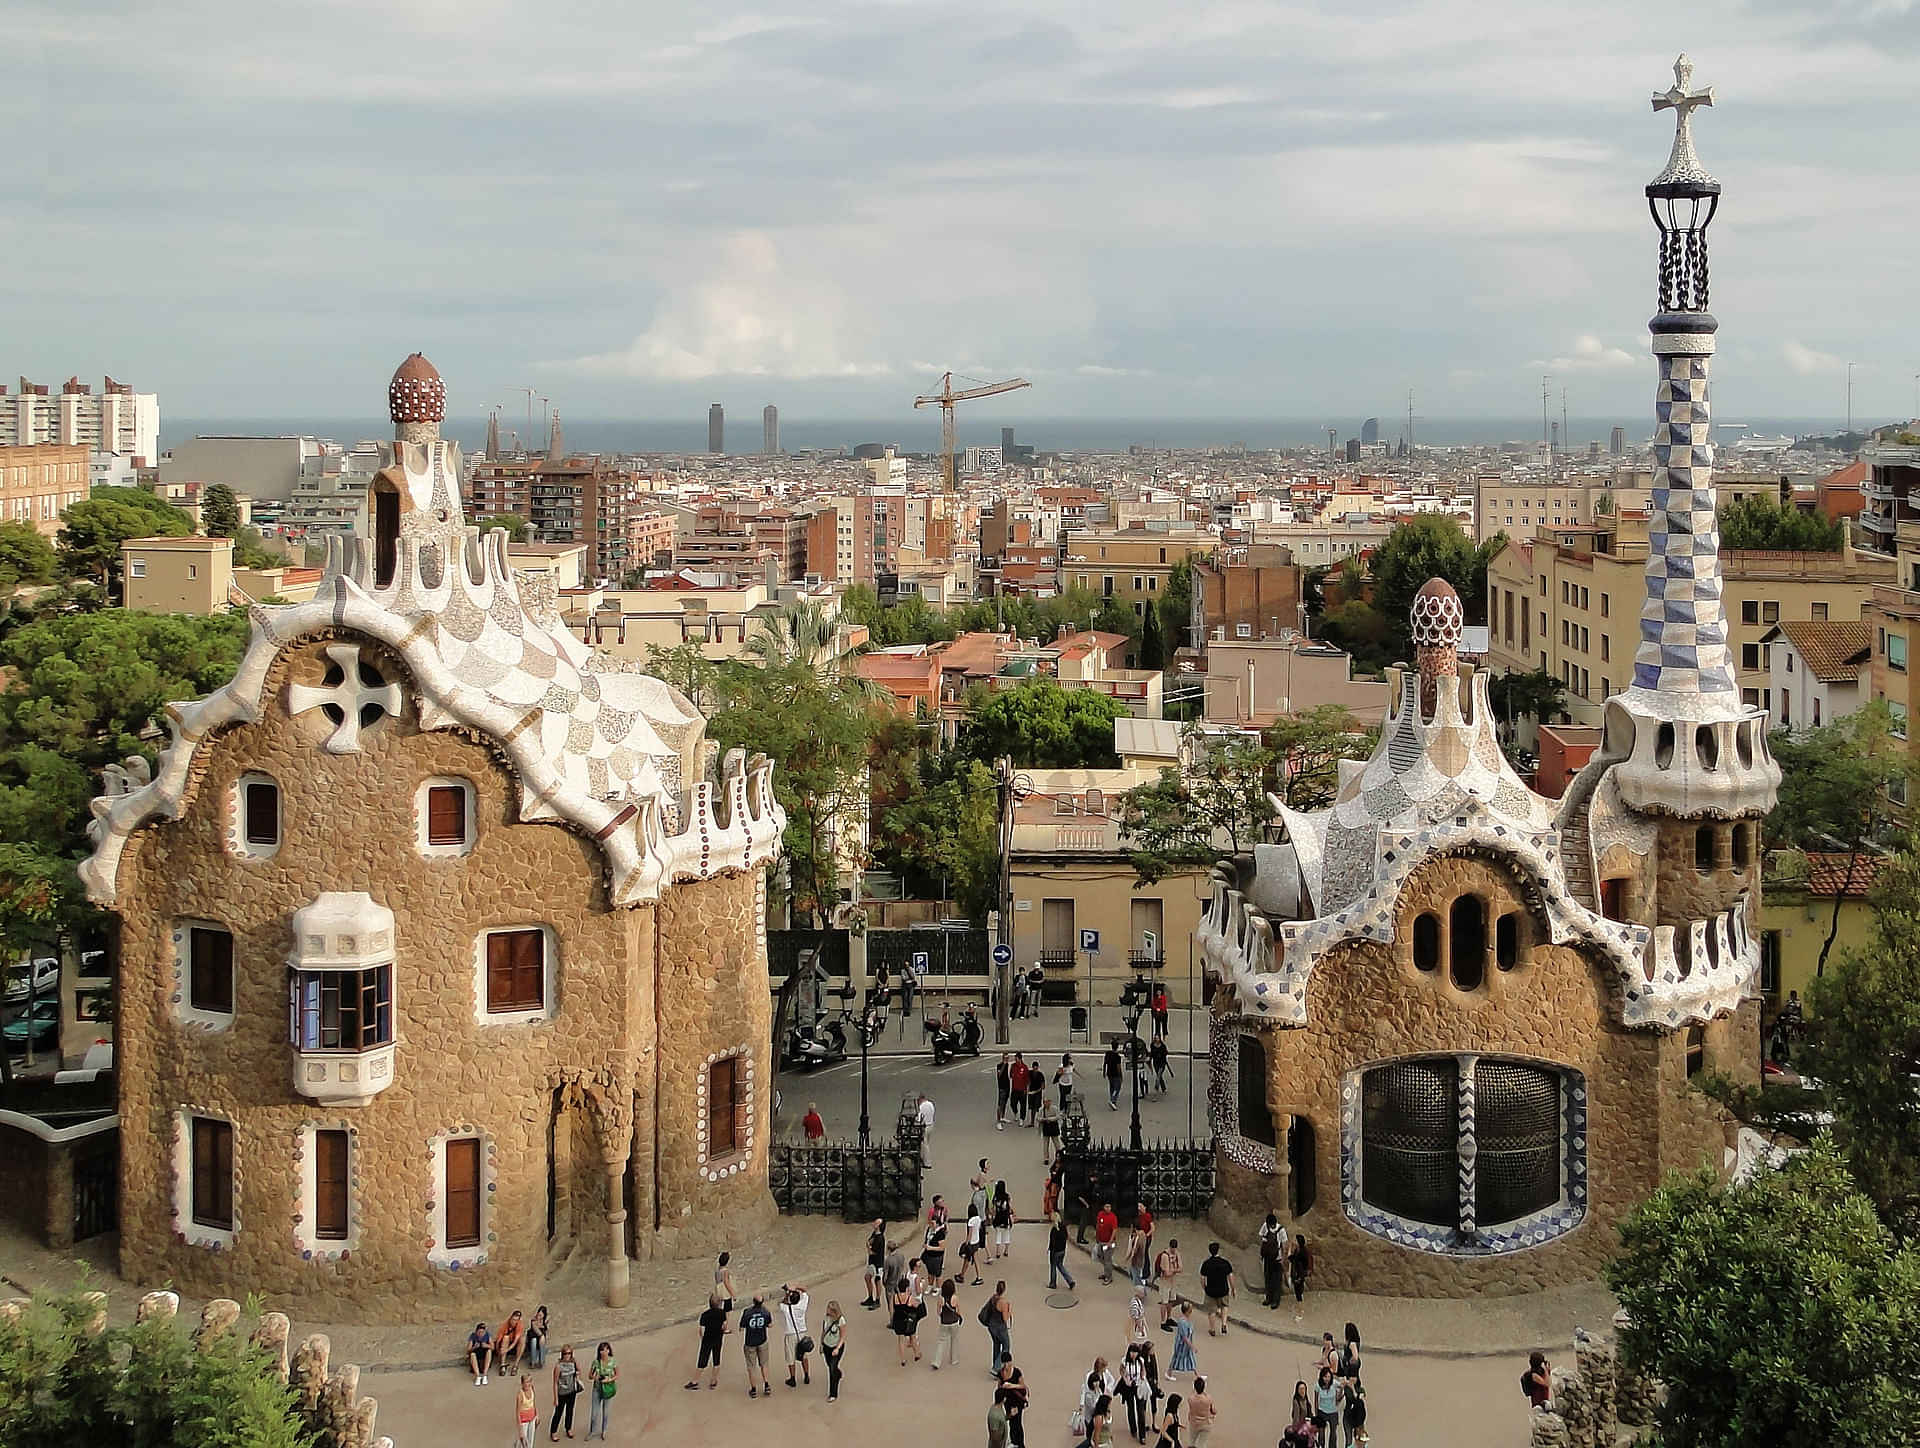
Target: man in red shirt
1140	1245
1017	1086
1161	1005
1105	1226
811	1123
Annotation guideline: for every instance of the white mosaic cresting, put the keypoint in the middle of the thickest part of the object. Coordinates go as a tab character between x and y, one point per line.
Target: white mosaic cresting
734	1162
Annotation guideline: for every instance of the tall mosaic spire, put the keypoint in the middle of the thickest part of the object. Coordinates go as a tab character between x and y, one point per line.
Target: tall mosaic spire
1683	626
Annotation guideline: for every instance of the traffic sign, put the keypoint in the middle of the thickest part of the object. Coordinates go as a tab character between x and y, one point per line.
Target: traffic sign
920	961
1003	954
1090	941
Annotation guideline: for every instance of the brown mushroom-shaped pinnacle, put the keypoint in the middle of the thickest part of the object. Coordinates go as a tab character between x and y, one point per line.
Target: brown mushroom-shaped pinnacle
1437	616
416	393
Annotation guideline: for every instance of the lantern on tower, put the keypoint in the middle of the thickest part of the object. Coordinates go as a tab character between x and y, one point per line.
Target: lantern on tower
1683	199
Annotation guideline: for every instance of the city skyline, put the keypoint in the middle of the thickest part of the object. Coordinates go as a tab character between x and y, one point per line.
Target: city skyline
1171	217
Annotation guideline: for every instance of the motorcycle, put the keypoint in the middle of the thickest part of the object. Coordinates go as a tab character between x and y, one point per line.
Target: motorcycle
963	1039
815	1045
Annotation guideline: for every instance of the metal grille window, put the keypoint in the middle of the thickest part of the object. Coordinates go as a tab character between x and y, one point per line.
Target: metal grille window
343	1010
1462	1143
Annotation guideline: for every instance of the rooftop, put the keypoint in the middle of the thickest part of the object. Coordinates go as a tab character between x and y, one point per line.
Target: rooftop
1833	648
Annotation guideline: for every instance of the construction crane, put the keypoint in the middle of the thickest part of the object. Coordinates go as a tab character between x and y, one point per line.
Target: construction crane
946	397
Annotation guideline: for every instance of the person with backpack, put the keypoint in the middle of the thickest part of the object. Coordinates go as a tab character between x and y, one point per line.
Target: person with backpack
1273	1260
996	1316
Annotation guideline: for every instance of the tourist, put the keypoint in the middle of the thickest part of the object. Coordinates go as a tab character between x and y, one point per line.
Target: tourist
526	1413
934	1252
754	1325
1538	1381
1105	1226
1063	1078
997	1423
946	1346
1166	1276
537	1338
996	1316
924	1115
1100	1383
1132	1392
833	1347
1012	1394
1137	1314
970	1245
980	1190
1354	1416
1002	1221
1050	1194
1170	1424
1143	1229
723	1280
509	1343
909	979
603	1381
1328	1396
1137	1058
1137	1261
906	1317
1150	1362
876	1263
1299	1264
1161	1006
1329	1354
1157	1054
1111	1066
811	1125
566	1389
795	1345
1299	1431
713	1327
895	1267
1201	1413
1182	1360
1057	1254
1017	1074
1049	1129
1036	1091
1002	1087
1216	1278
1273	1260
1099	1424
1350	1357
479	1353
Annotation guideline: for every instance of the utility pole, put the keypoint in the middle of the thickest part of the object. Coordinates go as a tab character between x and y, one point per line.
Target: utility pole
1546	423
1002	987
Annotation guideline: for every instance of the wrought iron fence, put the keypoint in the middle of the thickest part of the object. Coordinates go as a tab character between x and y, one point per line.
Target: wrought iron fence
854	1183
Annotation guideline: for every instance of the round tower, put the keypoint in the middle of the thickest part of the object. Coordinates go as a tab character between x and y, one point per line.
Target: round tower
1689	753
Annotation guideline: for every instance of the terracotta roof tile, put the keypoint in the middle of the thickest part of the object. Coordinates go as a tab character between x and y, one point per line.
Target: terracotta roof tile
1832	874
1833	648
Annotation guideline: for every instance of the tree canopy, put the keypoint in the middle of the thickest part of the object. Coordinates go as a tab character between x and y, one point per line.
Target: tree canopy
1759	522
1211	808
1307	749
1153	645
93	529
25	556
1176	611
1432	545
1534	694
1041	725
1834	781
944	836
512	522
220	511
1779	1311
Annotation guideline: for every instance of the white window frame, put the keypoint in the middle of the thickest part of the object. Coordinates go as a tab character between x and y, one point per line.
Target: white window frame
549	977
198	1234
237	841
421	842
439	1254
183	1010
306	1239
715	1169
136	568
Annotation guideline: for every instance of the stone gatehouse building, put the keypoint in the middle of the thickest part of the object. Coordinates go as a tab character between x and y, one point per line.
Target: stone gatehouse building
442	946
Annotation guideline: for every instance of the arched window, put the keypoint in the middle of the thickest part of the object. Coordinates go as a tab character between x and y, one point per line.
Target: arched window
386	532
1742	846
1256	1121
1467	943
1663	746
1703	849
1706	744
1426	941
1506	940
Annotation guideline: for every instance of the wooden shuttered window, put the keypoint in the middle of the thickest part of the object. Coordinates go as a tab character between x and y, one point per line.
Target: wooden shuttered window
330	1185
210	970
516	970
726	1107
262	809
463	1192
446	814
212	1204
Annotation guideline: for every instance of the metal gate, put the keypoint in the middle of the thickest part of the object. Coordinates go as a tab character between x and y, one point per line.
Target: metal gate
96	1193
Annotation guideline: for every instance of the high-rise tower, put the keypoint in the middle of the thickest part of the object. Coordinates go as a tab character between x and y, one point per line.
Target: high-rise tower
770	430
716	428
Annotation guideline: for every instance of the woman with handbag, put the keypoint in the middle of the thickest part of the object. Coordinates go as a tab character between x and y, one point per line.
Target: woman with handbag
906	1319
1132	1391
604	1381
833	1347
566	1388
1170	1424
946	1347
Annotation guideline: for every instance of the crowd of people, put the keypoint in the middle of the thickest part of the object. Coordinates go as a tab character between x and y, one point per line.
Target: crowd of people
519	1350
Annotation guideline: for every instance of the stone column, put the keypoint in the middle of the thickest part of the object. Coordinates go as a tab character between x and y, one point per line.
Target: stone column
1282	1197
617	1289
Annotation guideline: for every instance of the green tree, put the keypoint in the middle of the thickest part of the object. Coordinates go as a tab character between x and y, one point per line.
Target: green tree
512	522
1153	647
1213	807
1432	545
1175	609
220	511
36	890
25	556
1534	694
1307	749
250	550
946	832
1363	631
1834	781
689	670
1863	1046
1759	522
1040	725
66	1379
800	633
93	529
1778	1311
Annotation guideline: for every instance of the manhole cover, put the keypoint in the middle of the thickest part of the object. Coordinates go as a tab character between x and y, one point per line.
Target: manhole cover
1062	1300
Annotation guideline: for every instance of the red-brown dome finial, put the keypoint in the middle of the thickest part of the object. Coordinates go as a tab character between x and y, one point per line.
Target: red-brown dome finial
416	393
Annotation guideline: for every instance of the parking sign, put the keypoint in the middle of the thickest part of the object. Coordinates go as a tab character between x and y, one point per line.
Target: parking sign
1090	941
920	961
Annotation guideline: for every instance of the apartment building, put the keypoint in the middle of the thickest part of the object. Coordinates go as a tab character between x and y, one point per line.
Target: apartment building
1568	602
1820	670
855	537
1244	591
116	419
1892	491
1130	564
718	612
576	500
1329	540
40	482
266	469
1253	682
196	575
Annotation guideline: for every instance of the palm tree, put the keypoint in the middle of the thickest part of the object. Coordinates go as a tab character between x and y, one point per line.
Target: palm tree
798	632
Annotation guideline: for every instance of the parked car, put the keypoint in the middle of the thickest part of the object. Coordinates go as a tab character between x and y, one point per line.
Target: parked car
42	1026
44	974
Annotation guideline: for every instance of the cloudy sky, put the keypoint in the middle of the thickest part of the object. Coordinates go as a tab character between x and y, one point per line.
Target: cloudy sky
1149	209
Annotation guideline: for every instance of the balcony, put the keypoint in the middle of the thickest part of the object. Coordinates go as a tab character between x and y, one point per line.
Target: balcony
340	999
343	1078
1058	959
1146	960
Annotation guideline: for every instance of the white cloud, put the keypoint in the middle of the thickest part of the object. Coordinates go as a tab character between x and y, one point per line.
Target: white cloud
1806	361
1095	369
1589	354
744	315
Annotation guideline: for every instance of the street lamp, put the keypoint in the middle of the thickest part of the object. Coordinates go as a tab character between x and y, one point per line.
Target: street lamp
1133	998
873	1020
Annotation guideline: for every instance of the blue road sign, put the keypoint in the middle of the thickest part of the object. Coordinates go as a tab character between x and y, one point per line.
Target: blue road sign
1003	954
1090	941
920	960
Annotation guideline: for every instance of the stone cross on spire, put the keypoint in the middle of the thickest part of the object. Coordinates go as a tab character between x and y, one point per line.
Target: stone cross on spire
1683	166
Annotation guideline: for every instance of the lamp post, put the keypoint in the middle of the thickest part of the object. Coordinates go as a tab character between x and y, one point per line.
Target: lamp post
1135	998
872	1022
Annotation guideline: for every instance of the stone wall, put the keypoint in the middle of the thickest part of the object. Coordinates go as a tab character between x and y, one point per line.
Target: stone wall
348	824
1368	1003
25	1199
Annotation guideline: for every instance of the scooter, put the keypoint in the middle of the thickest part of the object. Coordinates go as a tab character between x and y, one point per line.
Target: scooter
962	1040
810	1046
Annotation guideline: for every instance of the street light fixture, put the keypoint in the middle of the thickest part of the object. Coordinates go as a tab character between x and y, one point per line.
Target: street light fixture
1133	1000
873	1021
